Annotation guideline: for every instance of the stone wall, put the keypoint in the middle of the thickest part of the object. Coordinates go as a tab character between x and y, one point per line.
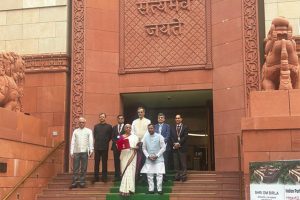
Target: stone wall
228	82
33	27
45	90
289	9
272	131
24	143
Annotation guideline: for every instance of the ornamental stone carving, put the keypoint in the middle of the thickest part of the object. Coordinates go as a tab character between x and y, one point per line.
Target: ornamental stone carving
12	77
281	68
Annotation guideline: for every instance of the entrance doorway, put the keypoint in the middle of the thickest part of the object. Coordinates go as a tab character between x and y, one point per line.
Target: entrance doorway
196	109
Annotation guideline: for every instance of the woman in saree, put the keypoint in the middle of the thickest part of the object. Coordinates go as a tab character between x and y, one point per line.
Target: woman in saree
128	162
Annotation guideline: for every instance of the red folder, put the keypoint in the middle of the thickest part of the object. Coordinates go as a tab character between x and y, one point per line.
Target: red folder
123	144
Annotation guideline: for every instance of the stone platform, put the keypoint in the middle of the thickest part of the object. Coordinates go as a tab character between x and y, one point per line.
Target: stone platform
272	131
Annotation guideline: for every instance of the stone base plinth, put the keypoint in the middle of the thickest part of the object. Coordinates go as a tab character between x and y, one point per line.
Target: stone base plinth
272	131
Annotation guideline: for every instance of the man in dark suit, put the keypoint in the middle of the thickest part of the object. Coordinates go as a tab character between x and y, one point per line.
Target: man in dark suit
164	129
116	132
102	136
179	135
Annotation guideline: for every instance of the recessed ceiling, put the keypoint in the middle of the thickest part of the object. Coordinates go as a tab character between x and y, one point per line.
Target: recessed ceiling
194	98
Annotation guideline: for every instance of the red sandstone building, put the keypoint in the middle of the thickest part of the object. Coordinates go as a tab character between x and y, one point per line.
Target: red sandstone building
200	58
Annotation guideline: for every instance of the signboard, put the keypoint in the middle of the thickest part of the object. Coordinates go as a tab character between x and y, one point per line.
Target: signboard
275	180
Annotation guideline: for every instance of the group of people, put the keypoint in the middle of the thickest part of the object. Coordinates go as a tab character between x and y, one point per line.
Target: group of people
150	147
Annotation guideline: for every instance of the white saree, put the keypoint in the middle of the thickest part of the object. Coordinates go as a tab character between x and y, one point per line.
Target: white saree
128	179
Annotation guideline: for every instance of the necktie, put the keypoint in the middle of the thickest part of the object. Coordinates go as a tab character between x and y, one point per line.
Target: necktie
119	129
159	129
178	129
178	132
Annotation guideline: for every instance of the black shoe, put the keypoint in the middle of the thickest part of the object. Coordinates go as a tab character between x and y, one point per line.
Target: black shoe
150	192
95	180
160	192
73	186
104	179
117	179
183	179
82	185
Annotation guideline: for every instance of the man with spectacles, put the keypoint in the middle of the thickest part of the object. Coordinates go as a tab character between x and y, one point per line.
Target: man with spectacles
163	129
81	148
117	131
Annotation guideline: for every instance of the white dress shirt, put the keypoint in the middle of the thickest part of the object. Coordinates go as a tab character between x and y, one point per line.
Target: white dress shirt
82	141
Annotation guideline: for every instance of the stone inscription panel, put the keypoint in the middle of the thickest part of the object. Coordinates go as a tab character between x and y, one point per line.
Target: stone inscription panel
164	35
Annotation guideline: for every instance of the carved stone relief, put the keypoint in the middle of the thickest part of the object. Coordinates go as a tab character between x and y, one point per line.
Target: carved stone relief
281	68
164	35
12	79
77	73
251	47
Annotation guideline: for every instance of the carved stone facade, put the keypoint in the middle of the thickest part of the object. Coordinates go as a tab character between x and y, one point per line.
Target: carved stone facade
46	63
78	61
251	47
12	79
165	35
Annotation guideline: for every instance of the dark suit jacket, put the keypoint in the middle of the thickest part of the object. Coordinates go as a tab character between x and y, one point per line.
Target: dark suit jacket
165	132
183	137
115	135
102	136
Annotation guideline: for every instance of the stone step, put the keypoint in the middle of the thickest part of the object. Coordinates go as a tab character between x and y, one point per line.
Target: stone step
187	189
70	198
224	186
201	195
189	177
207	181
88	184
75	190
190	173
70	195
199	186
180	196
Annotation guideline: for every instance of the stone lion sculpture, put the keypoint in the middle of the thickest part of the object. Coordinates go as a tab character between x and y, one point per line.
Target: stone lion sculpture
12	78
281	68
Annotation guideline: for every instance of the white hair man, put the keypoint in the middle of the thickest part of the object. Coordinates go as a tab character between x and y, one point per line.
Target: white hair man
82	146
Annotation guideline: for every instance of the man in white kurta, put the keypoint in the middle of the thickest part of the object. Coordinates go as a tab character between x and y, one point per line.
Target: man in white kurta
140	128
140	125
153	148
128	161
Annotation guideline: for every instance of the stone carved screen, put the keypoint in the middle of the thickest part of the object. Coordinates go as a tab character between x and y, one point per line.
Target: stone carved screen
164	35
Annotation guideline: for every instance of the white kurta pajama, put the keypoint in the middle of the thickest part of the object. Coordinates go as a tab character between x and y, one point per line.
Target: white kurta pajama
154	145
128	178
140	127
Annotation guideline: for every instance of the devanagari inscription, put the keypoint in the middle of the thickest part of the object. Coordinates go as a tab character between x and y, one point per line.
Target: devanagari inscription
174	27
147	7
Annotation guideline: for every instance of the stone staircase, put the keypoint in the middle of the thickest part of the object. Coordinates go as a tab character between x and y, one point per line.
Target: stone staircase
209	185
199	186
58	189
